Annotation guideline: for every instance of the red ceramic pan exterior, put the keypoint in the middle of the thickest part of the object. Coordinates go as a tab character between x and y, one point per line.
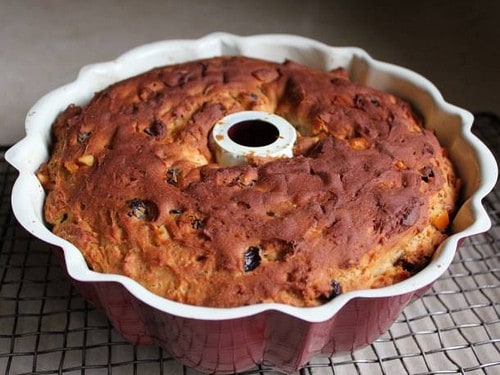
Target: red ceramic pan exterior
271	338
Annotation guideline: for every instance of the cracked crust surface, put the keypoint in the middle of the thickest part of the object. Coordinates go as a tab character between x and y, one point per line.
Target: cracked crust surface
133	183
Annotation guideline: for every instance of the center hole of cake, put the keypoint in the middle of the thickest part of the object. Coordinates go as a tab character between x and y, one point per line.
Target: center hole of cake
253	133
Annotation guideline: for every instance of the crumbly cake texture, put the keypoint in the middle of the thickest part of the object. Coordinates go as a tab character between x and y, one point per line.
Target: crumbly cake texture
133	183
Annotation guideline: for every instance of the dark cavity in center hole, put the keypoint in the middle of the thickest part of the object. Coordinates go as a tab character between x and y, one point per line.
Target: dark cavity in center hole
253	133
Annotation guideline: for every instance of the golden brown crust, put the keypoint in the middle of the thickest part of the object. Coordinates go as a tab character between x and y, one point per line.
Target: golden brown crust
363	203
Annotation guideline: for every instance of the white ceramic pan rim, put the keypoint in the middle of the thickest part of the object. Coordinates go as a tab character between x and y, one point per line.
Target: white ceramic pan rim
475	163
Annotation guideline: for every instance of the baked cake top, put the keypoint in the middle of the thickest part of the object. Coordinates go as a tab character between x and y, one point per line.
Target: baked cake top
133	183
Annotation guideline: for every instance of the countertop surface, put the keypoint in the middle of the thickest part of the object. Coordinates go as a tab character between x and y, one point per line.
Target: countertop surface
43	44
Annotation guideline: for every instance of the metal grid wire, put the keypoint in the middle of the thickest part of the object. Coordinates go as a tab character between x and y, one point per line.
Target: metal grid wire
46	327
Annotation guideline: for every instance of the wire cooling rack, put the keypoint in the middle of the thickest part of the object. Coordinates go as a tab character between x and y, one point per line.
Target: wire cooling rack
46	327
